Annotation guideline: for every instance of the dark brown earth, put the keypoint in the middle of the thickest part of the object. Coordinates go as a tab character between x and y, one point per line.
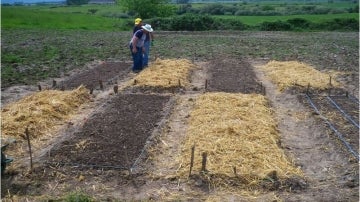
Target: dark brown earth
101	76
225	76
114	137
104	153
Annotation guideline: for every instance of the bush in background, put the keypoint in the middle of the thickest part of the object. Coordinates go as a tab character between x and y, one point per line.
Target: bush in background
275	26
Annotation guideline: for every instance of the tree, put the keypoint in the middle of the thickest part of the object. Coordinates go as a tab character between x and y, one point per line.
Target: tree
148	8
76	2
182	1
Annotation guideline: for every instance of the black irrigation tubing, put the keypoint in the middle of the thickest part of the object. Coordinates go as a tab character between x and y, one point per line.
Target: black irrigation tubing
133	167
354	99
340	136
171	103
350	97
347	116
87	165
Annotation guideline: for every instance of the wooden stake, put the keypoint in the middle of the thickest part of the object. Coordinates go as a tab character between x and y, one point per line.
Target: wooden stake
54	84
127	160
206	83
39	86
308	88
330	81
204	158
234	169
101	85
30	152
192	159
116	88
179	83
91	90
264	90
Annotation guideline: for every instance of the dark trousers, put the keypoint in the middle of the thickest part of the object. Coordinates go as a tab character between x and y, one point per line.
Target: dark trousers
137	59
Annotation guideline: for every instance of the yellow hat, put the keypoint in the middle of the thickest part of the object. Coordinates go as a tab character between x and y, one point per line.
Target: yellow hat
137	21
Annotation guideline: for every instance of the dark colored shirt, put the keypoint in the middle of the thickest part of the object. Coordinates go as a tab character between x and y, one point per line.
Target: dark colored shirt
147	37
136	28
141	36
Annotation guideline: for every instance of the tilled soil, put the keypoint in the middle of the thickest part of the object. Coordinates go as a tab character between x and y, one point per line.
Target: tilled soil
113	138
99	77
233	76
107	156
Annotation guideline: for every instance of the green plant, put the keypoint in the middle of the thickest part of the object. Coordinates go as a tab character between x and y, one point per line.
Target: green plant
92	11
10	58
275	26
299	23
148	9
78	197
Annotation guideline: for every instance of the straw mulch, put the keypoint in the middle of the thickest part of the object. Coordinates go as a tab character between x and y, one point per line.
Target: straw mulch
40	111
166	73
293	73
240	137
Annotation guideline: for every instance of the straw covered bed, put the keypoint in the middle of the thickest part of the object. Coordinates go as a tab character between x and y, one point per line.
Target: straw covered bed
167	73
294	73
239	135
40	112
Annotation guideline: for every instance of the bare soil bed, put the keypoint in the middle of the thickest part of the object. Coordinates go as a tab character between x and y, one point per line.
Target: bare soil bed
106	152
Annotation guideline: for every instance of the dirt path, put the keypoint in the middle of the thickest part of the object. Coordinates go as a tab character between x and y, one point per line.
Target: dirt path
331	173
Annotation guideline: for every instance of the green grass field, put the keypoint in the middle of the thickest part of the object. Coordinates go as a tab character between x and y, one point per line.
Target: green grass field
255	20
37	17
82	8
111	17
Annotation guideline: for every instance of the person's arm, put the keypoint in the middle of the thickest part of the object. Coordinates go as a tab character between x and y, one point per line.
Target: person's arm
134	43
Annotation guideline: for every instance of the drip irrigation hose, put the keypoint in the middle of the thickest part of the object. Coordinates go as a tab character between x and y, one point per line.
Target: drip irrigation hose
354	99
86	165
171	104
340	136
348	117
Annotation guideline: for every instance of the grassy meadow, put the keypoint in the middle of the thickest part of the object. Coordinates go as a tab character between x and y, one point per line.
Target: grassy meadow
256	20
112	18
41	18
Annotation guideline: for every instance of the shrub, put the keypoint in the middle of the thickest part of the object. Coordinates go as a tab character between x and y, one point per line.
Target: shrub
275	26
340	24
213	9
299	23
190	22
230	24
268	8
78	197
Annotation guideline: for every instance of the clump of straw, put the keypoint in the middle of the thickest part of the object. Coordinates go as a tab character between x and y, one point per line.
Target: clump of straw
165	73
238	132
293	73
41	111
